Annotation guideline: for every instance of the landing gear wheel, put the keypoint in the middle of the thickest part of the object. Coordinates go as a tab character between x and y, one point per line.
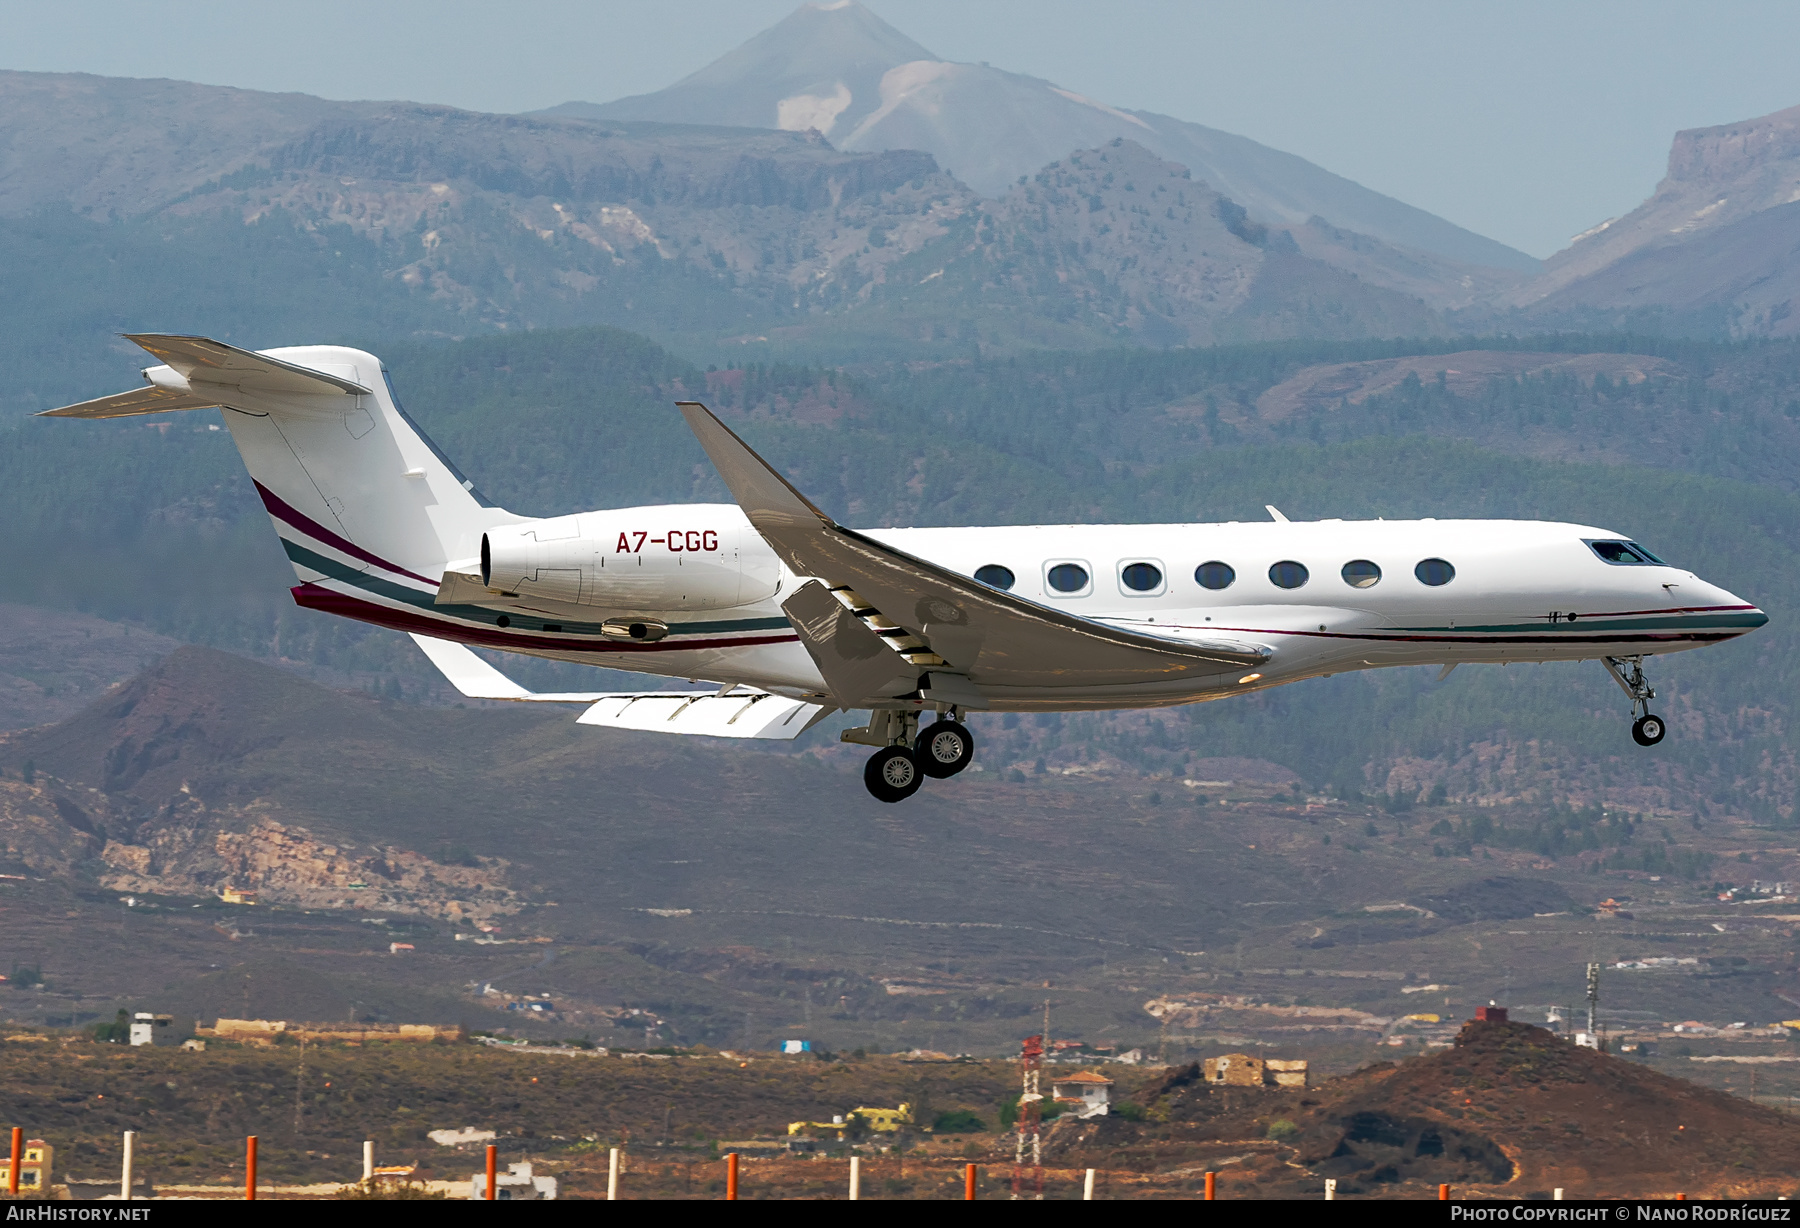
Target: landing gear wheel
1648	730
892	774
944	748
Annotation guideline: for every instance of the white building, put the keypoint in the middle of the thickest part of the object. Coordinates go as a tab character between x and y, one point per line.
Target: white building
144	1025
1085	1093
513	1185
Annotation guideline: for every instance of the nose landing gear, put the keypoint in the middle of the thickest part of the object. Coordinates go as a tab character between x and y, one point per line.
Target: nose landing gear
1628	672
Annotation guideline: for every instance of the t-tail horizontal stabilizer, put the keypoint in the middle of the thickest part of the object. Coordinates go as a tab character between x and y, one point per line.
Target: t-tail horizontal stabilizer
199	373
740	712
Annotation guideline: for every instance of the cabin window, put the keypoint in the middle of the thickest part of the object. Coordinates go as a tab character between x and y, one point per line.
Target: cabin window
1625	554
1214	575
995	576
1360	573
1141	577
1288	574
1434	572
1068	578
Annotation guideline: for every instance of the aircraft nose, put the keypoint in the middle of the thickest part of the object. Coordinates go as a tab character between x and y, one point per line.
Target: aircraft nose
1741	614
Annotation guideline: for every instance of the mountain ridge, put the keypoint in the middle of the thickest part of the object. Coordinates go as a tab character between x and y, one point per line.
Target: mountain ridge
1718	241
988	126
465	219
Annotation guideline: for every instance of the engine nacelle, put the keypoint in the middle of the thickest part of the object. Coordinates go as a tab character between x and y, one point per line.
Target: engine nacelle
691	556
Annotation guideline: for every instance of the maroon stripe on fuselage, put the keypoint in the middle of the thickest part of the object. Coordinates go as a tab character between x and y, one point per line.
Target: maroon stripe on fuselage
329	601
294	518
1477	638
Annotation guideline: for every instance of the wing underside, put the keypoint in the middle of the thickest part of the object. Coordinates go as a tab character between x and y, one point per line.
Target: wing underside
735	712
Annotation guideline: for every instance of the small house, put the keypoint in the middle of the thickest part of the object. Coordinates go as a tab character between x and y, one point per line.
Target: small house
1084	1093
34	1167
1236	1069
144	1025
1242	1070
235	895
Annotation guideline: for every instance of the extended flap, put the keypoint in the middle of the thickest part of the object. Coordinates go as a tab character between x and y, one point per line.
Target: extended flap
856	665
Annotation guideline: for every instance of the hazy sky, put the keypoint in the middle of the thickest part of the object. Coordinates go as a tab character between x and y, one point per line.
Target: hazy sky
1528	120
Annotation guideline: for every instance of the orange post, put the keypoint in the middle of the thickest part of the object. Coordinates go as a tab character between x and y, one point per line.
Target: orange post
969	1183
1443	1193
491	1180
1681	1198
18	1152
731	1161
1210	1179
250	1168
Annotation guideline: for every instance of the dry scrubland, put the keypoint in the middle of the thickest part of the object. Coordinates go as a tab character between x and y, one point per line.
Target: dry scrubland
1509	1111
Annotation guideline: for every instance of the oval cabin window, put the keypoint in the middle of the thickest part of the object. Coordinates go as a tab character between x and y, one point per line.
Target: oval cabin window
1142	577
1068	577
1214	575
995	576
1360	573
1288	574
1434	572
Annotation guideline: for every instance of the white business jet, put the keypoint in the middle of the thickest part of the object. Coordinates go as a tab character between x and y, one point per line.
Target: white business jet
793	616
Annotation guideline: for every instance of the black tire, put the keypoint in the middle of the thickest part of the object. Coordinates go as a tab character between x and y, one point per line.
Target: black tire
892	774
1648	730
944	748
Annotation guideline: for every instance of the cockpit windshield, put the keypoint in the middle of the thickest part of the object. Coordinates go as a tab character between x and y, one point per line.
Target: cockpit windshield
1625	554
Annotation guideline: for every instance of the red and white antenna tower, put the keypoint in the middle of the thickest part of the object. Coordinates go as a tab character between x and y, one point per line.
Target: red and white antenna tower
1031	1066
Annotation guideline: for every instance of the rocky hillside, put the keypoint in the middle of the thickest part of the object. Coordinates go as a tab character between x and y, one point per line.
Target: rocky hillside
1117	239
431	220
1508	1111
1717	243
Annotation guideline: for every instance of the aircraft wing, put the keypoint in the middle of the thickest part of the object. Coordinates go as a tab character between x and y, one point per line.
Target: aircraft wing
735	713
959	634
212	372
151	400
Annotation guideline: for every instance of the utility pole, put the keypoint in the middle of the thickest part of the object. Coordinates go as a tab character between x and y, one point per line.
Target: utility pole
1031	1066
1594	1039
300	1087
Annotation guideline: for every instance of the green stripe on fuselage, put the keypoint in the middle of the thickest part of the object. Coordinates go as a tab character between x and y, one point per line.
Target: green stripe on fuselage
313	561
1748	620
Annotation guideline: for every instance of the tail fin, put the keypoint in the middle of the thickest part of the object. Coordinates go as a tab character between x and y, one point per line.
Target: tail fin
348	478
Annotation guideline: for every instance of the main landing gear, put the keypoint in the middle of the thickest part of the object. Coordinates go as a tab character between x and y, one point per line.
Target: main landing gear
1628	672
896	771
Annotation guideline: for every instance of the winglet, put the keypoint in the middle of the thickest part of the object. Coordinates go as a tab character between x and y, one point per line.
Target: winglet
767	498
1275	513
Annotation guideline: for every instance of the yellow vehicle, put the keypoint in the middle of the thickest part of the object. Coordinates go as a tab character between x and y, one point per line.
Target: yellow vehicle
877	1121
